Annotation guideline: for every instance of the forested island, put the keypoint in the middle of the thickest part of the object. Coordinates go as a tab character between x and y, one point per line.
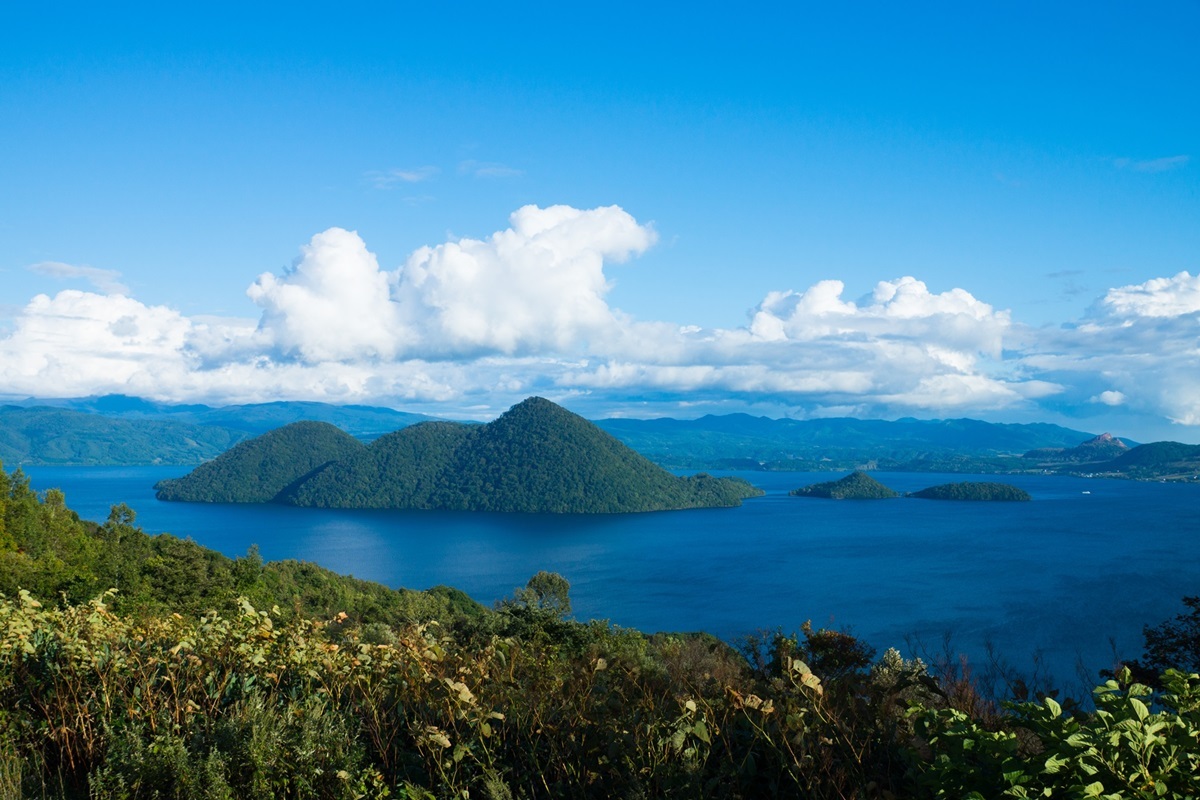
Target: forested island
855	486
973	490
859	485
537	458
147	666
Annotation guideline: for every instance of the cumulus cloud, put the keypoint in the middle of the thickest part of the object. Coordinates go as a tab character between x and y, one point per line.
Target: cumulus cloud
1139	348
1159	297
903	309
478	323
537	286
900	349
334	304
106	280
80	342
1110	398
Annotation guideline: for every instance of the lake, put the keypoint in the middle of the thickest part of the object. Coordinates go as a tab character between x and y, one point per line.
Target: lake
1068	576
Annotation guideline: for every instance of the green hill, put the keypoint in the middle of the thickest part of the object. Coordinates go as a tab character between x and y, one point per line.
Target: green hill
537	457
1158	456
261	469
44	435
403	469
855	486
969	490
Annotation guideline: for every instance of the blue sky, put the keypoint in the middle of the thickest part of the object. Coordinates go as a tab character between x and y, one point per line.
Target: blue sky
931	210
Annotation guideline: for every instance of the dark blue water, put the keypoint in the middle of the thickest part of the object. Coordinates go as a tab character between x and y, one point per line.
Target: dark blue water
1059	576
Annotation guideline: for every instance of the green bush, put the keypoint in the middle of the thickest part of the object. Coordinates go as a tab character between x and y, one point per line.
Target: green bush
1125	749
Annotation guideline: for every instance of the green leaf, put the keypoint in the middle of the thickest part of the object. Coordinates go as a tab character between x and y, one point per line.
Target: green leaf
1139	708
1014	777
1055	764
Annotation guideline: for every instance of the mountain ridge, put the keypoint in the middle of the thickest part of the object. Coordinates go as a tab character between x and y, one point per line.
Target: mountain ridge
126	431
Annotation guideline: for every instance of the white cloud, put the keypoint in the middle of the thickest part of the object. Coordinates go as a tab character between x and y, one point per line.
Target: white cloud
902	348
537	286
486	321
80	342
1159	297
106	280
900	309
1109	398
334	304
1138	349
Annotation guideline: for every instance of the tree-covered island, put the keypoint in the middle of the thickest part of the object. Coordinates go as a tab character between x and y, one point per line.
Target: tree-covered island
973	490
537	457
855	486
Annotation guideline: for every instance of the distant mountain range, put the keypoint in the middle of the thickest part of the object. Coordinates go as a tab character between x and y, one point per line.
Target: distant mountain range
740	441
42	435
363	422
122	430
537	457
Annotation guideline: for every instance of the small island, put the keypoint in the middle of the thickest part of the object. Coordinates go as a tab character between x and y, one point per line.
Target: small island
973	490
537	457
855	486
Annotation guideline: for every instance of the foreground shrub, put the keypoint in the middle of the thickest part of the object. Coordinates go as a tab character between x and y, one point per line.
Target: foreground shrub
249	706
1125	749
255	705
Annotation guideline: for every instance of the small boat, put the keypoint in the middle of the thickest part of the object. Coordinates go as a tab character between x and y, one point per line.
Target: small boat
1085	492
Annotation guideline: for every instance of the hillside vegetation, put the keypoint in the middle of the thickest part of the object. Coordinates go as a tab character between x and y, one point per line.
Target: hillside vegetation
973	490
1157	459
263	468
56	436
536	457
46	549
207	677
855	486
